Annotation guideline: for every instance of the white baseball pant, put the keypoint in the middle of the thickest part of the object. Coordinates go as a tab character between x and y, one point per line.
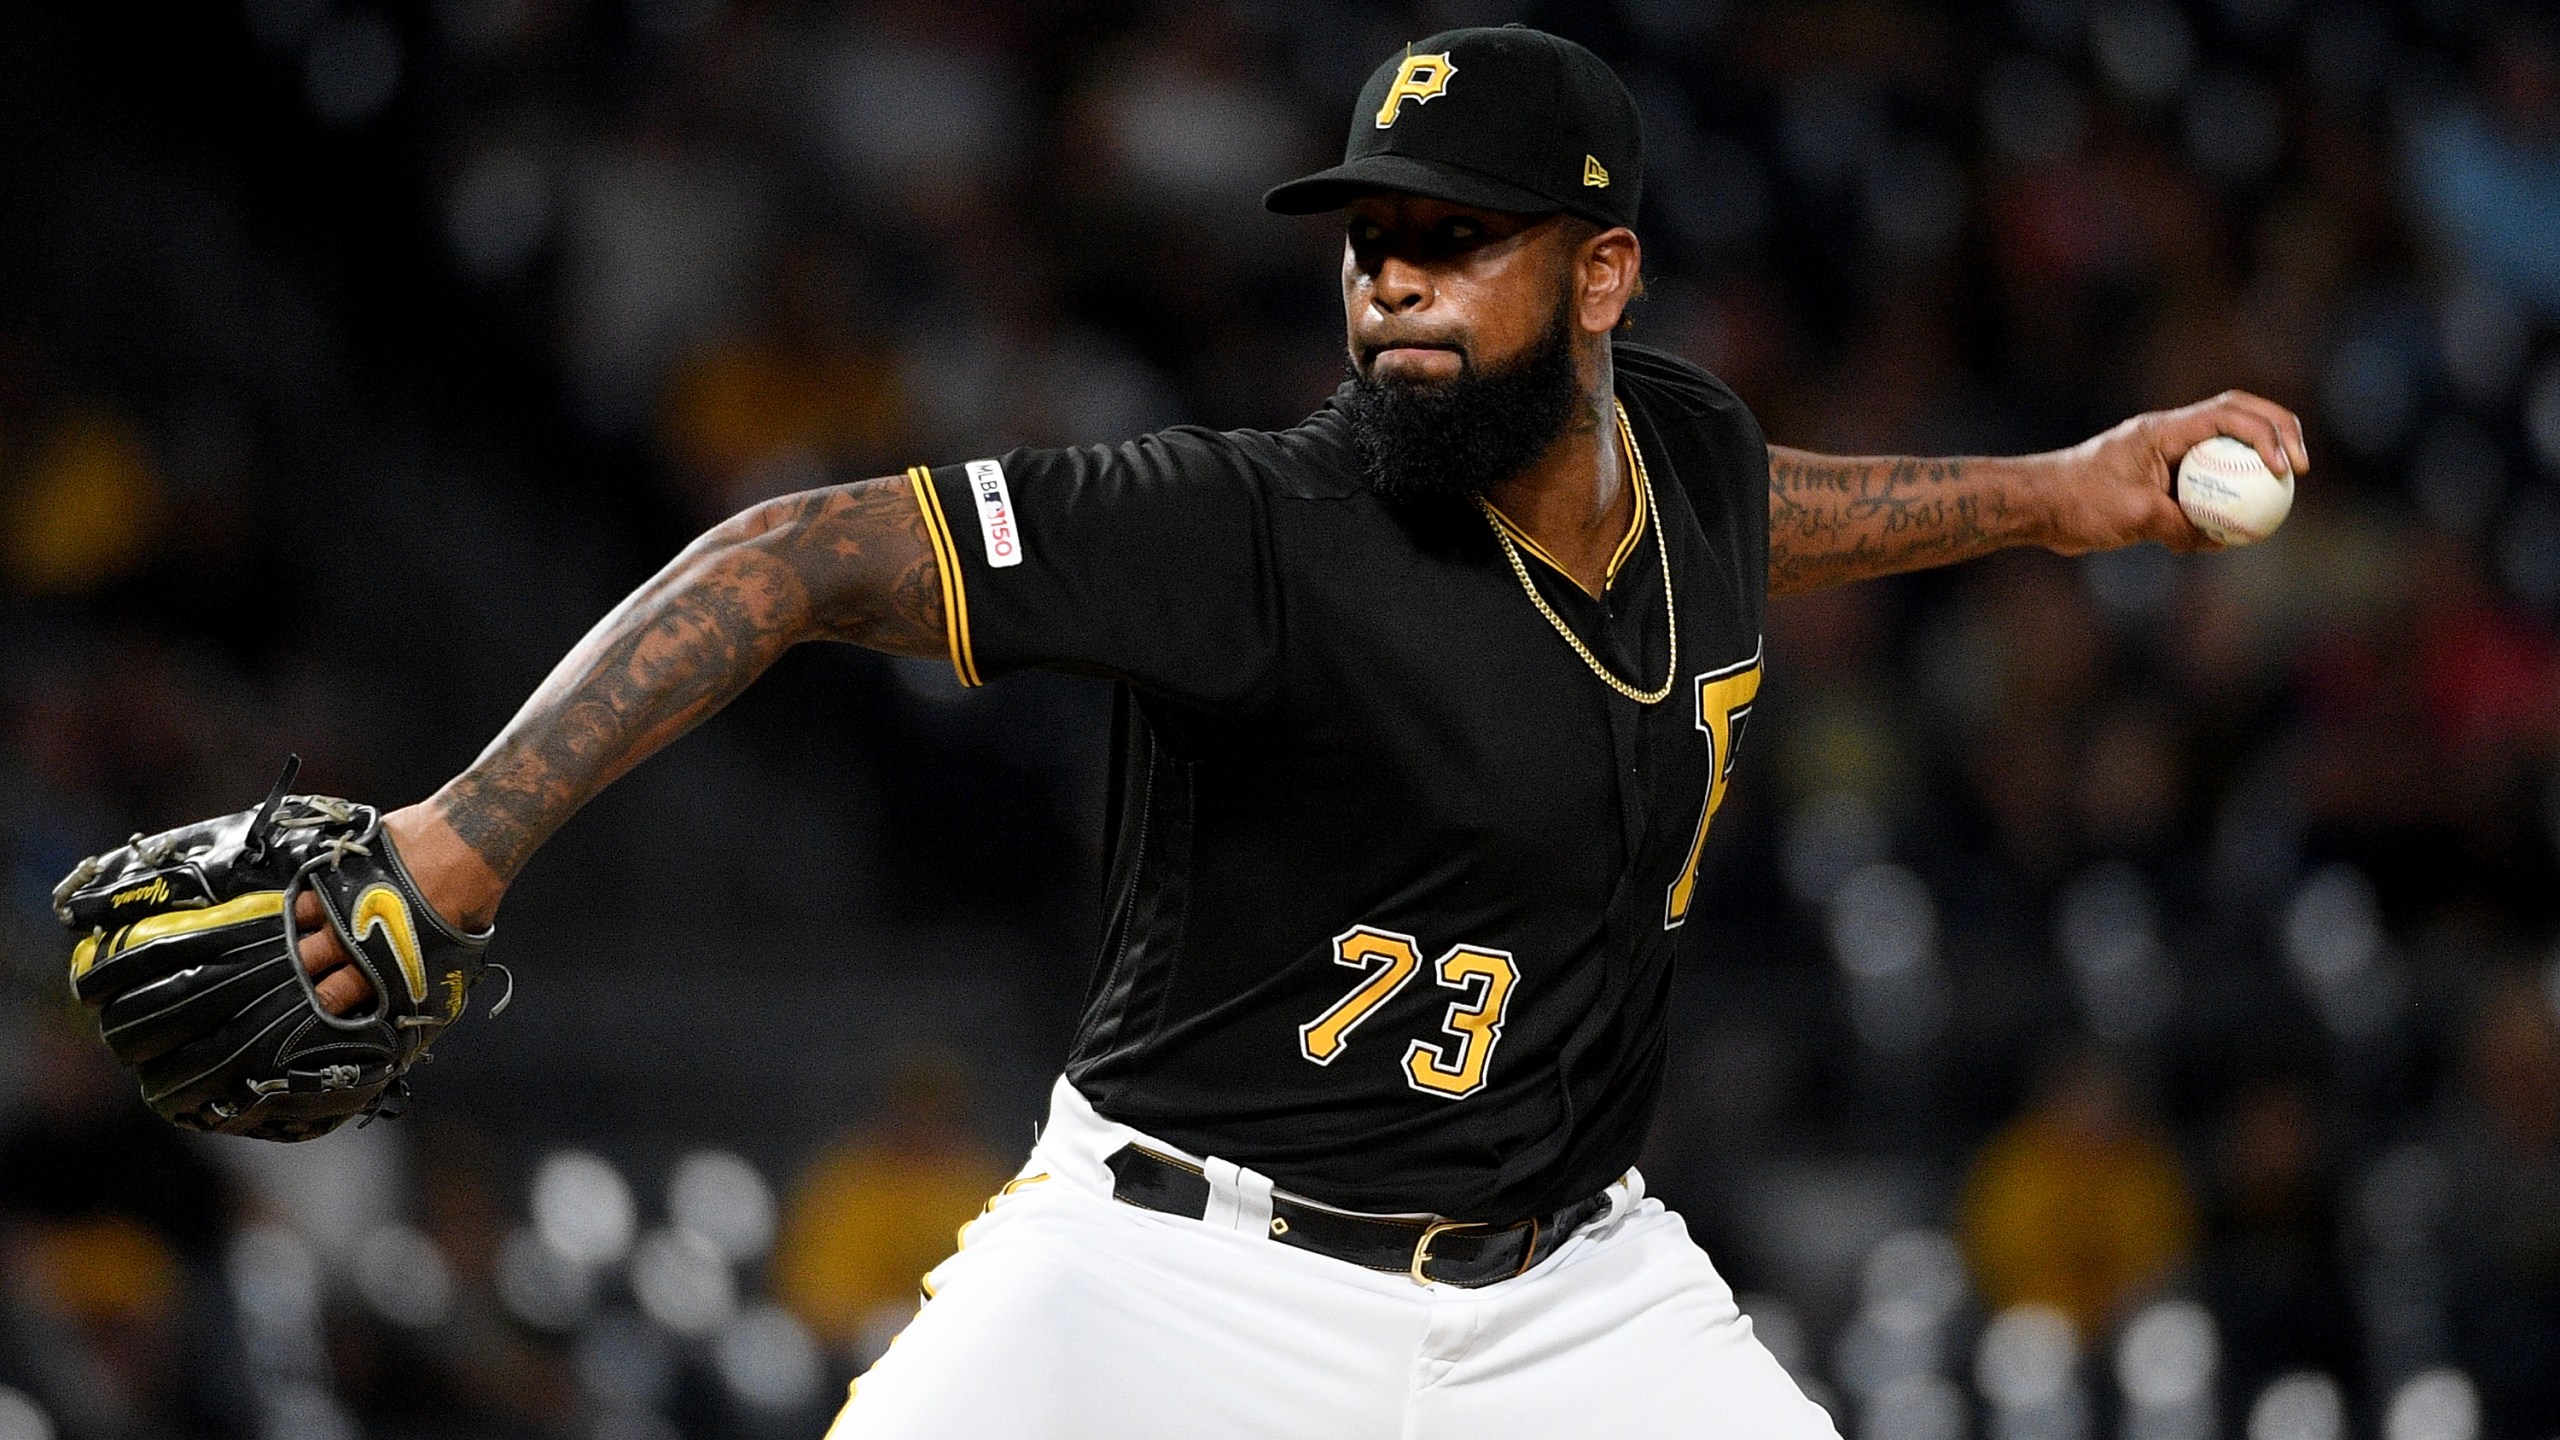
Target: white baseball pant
1066	1314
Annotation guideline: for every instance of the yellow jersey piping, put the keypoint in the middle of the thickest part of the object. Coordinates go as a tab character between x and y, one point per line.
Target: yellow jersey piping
960	1238
946	563
1626	546
1635	527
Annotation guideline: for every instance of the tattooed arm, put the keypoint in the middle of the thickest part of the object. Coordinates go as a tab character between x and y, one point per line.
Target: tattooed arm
1834	519
851	562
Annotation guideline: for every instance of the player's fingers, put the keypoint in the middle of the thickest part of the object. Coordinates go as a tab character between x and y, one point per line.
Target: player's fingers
343	989
320	951
2250	428
2157	516
2288	428
2261	424
336	978
2289	432
2174	530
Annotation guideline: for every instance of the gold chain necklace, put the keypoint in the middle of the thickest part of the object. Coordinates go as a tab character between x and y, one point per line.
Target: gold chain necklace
1661	546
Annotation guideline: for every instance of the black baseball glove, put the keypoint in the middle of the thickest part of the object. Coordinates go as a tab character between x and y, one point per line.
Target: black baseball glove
187	954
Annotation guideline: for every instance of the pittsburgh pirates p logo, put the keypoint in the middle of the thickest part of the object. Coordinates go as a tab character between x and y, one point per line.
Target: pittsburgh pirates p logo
1421	78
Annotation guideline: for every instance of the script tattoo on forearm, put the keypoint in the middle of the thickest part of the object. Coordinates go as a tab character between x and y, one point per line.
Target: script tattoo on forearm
1834	519
849	563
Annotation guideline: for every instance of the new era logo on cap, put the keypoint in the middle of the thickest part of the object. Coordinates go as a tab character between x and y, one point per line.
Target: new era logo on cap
1594	174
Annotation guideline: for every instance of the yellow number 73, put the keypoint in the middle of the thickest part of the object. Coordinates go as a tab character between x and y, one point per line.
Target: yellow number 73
1474	1020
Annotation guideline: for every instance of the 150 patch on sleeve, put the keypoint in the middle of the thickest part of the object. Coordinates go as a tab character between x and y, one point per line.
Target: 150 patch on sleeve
996	523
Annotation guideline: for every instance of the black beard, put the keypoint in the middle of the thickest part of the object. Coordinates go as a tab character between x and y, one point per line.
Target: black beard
1431	440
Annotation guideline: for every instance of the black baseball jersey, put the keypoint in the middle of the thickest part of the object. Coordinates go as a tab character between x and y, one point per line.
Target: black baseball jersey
1393	874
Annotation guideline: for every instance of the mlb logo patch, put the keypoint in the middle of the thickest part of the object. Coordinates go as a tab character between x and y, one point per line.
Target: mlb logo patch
996	523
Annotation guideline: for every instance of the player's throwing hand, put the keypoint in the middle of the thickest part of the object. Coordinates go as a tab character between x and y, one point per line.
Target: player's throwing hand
2120	487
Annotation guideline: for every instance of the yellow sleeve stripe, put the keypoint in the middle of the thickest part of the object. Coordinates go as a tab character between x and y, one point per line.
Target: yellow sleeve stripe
946	560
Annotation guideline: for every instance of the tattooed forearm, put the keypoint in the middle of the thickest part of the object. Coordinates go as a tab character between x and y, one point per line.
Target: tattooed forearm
1834	519
847	563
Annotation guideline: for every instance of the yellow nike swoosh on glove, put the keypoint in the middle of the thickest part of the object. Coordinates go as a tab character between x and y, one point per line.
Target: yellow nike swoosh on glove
381	910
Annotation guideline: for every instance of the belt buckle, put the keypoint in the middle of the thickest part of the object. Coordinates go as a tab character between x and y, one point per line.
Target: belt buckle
1422	1246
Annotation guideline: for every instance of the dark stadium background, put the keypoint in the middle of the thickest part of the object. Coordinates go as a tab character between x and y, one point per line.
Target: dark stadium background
2127	1004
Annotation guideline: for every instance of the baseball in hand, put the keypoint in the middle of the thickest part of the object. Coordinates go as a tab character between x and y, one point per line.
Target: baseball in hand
2230	493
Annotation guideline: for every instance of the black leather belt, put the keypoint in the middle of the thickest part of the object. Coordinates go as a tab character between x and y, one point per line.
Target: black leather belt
1444	1252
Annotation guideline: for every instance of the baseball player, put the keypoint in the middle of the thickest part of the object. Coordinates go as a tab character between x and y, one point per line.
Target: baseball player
1425	710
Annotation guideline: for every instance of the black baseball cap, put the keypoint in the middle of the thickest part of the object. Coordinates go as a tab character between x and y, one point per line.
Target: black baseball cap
1503	117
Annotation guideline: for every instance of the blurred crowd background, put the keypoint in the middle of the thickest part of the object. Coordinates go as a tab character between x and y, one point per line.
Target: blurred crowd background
2129	1006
